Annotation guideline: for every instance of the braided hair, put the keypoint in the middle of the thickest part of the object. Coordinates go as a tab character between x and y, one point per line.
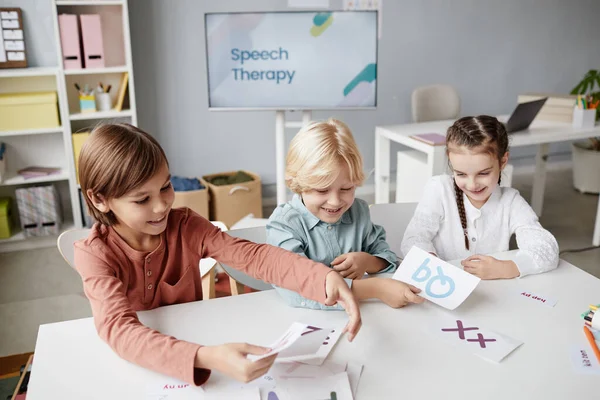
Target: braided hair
473	132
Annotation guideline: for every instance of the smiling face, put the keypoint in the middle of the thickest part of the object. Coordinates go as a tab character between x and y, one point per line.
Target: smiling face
476	172
142	213
330	203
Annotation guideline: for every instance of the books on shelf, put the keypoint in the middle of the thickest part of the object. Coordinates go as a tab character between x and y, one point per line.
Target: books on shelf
558	107
432	139
34	172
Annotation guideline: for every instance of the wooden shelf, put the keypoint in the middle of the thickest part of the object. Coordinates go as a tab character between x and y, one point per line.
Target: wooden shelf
101	115
106	70
31	71
14	179
39	131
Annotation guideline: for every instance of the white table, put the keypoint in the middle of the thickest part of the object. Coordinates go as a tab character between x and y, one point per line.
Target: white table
400	360
540	133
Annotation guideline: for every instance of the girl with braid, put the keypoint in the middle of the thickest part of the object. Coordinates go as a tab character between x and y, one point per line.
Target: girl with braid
467	214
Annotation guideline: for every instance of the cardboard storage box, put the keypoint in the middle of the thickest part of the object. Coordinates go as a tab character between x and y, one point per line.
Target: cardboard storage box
230	203
19	111
196	200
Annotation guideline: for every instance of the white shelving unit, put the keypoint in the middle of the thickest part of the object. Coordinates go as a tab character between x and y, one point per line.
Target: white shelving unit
53	146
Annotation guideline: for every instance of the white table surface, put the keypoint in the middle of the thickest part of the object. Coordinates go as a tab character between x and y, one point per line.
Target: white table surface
400	359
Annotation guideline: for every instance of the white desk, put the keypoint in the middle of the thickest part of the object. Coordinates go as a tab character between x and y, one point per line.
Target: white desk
71	362
540	133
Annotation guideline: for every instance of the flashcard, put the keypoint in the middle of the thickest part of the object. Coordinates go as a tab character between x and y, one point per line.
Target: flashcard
308	344
439	281
354	372
285	341
172	389
474	338
538	298
336	387
312	347
584	360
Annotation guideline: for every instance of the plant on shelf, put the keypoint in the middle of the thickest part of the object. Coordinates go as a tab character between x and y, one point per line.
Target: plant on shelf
586	86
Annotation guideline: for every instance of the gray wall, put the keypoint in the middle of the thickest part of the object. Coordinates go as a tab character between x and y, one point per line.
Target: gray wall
489	50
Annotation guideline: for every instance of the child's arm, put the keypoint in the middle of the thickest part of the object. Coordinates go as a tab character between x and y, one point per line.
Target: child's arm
538	249
283	236
118	325
425	224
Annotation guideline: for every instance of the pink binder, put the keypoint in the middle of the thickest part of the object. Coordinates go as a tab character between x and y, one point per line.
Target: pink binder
69	39
91	35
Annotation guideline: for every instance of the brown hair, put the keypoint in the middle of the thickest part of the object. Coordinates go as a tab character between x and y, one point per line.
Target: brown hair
472	132
114	160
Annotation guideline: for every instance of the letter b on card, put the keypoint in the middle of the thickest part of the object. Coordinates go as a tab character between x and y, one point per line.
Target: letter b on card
439	281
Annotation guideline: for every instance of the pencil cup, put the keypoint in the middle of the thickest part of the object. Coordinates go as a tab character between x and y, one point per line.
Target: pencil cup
103	102
87	103
584	118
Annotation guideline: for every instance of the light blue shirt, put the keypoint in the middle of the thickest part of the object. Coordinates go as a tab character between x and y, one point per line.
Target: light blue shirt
294	228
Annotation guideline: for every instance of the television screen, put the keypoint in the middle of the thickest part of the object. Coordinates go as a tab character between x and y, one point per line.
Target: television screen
292	60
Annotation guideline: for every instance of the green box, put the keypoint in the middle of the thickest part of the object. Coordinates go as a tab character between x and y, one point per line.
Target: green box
5	217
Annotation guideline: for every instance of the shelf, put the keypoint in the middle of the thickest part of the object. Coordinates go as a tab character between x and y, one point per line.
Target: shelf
100	115
89	2
31	71
39	131
106	70
15	179
18	241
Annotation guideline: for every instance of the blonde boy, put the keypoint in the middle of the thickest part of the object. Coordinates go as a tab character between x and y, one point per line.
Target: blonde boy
325	222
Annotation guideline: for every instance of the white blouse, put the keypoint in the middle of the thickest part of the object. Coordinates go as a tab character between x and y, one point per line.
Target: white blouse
436	227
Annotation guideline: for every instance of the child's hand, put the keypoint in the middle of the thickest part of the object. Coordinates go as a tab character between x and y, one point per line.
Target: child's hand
338	292
487	267
397	294
354	265
230	359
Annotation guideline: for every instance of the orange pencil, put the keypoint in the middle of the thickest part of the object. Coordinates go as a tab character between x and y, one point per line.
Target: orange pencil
592	340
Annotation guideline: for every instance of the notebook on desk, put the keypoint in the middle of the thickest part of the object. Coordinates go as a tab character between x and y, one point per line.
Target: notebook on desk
432	139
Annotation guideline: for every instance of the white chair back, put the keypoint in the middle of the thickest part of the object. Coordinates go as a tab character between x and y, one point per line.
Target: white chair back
66	241
394	217
256	235
435	103
206	264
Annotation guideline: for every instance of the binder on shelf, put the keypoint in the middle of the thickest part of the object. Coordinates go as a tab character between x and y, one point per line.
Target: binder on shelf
48	209
91	36
26	204
69	39
39	210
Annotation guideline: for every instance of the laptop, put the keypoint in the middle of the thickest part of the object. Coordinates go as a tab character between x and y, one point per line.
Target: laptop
523	115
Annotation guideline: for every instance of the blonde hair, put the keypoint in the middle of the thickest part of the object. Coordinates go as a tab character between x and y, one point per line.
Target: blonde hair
114	160
315	155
